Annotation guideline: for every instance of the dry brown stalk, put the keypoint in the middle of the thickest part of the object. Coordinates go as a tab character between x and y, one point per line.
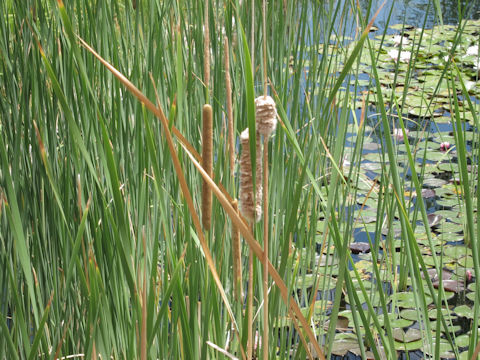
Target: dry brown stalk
207	163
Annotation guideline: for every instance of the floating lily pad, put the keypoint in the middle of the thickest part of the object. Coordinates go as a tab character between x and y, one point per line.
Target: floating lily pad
451	285
342	347
470	296
308	280
464	311
406	300
457	251
409	314
410	346
450	227
445	349
434	182
447	315
373	298
455	329
359	247
407	336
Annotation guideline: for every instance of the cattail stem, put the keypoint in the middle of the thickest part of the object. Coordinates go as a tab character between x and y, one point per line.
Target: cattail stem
206	52
266	121
228	90
265	85
265	196
237	258
207	164
250	304
251	209
265	248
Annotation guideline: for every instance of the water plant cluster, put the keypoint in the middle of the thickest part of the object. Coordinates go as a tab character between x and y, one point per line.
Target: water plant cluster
122	126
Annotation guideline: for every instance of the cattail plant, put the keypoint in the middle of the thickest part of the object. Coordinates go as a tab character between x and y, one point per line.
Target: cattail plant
251	209
207	164
266	122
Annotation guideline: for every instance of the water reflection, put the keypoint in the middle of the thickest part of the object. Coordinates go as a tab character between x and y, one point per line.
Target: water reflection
419	12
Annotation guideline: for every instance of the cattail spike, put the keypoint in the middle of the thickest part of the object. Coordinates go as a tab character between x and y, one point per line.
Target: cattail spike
250	203
265	115
207	164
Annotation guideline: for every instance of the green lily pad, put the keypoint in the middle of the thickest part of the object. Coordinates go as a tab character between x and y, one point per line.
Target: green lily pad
464	311
447	315
409	314
470	296
406	300
450	227
373	298
434	182
406	337
410	346
445	349
457	251
342	347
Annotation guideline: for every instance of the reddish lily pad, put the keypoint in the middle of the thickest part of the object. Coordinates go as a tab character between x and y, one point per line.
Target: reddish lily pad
359	247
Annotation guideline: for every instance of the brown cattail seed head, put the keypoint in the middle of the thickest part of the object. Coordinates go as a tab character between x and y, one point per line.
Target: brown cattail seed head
266	115
251	210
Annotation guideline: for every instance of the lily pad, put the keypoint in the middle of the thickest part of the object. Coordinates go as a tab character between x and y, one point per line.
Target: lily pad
406	337
342	347
406	300
410	346
359	247
464	311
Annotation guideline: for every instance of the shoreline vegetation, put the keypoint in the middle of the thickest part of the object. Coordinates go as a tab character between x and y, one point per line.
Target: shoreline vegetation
133	224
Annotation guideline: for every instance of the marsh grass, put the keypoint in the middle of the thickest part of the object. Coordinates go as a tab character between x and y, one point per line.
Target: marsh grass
102	252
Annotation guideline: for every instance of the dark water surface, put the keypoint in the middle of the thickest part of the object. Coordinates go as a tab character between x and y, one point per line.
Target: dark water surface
419	12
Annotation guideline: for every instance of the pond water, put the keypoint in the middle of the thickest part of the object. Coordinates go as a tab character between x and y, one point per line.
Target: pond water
430	130
416	13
